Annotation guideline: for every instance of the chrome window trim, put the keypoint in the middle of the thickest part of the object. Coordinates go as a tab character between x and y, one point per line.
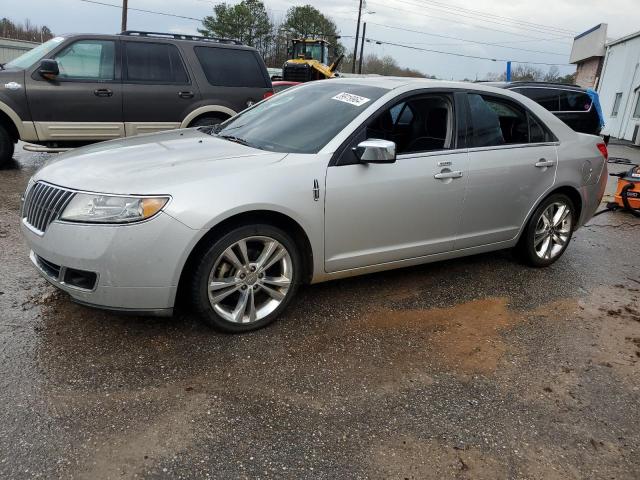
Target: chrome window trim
513	146
432	153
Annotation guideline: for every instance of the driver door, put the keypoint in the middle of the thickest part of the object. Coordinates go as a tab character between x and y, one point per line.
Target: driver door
84	102
380	213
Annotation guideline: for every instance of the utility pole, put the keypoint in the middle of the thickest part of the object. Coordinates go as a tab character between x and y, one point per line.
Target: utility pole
355	47
125	7
364	32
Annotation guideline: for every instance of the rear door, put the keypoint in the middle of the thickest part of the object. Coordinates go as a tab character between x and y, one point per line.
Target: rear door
158	92
512	163
84	102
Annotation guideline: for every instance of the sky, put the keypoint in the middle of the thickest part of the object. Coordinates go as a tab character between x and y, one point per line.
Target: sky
534	30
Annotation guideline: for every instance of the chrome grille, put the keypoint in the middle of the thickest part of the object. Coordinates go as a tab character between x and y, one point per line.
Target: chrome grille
44	203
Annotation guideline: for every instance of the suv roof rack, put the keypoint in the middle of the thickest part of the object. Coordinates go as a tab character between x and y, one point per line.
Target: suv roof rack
179	36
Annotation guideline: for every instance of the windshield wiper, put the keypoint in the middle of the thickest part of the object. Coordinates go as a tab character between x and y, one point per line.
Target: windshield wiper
239	140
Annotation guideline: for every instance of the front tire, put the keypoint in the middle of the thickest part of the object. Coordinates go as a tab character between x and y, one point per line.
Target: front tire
246	278
7	146
548	232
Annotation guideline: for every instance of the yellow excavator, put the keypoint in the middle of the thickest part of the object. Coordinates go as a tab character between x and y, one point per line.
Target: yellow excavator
308	60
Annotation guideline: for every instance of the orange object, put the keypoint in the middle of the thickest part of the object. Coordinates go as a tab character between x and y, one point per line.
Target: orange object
628	192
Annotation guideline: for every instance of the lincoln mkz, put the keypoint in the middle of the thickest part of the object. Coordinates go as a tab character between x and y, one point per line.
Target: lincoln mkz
326	180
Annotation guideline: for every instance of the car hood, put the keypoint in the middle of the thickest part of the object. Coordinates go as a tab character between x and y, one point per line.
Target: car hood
159	163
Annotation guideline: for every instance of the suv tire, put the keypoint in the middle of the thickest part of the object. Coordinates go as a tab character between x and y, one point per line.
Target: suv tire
548	231
246	278
7	146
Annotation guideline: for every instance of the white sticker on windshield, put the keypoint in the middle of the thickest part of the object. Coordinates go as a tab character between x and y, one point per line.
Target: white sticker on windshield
350	98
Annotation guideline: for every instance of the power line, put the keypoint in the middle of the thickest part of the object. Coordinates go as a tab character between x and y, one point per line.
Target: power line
457	21
474	16
382	42
199	20
445	7
466	40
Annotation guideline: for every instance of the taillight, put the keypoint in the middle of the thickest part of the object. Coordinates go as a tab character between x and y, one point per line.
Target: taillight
267	94
603	150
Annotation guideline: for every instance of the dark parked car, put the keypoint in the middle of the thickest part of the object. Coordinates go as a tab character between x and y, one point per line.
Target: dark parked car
79	89
570	103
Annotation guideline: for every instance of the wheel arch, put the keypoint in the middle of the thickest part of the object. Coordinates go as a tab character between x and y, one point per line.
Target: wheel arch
207	110
271	217
570	191
10	120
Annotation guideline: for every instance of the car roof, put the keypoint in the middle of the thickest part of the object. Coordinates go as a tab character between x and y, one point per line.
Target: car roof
391	83
517	84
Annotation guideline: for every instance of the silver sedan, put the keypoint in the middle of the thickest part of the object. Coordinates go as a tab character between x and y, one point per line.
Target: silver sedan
327	180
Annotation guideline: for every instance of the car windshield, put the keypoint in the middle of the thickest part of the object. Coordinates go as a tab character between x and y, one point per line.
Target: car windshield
302	119
27	59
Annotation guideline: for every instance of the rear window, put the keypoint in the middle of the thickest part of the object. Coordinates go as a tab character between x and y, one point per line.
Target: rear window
154	63
547	97
574	101
231	67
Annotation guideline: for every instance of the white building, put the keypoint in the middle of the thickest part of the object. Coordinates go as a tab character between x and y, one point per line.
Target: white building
619	88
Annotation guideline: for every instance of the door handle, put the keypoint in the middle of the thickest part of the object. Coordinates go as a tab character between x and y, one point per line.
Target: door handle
103	92
185	94
449	174
542	163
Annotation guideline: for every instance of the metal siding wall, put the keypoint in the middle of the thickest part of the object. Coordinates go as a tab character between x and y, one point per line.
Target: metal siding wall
10	49
621	74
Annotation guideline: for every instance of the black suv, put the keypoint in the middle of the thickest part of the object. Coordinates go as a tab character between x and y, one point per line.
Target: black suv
569	103
79	89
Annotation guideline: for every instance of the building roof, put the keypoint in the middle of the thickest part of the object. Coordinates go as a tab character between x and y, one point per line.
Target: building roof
624	39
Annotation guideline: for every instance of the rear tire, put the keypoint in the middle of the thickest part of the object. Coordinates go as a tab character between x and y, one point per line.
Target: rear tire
7	146
548	232
246	278
206	121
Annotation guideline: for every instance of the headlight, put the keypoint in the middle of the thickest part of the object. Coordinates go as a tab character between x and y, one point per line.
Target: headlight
96	208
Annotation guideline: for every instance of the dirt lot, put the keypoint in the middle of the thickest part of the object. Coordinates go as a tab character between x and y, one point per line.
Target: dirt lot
472	369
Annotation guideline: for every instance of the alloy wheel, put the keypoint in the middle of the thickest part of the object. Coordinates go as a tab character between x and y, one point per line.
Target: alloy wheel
553	230
250	279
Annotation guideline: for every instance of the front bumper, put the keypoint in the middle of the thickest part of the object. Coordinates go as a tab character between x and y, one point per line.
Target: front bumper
137	267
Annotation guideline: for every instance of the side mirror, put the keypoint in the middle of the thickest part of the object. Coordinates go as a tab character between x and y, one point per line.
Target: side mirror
48	68
374	150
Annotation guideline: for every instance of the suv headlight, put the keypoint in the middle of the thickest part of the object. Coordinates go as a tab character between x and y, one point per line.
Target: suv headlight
97	208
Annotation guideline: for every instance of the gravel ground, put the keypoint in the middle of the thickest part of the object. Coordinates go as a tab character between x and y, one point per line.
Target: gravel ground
477	368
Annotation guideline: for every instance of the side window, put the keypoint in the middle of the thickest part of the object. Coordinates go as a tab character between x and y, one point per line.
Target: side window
420	124
87	60
537	133
547	97
616	104
231	67
154	63
500	122
636	111
574	101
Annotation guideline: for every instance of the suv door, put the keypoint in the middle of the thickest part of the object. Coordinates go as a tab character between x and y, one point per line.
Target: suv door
157	90
512	163
84	102
378	213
